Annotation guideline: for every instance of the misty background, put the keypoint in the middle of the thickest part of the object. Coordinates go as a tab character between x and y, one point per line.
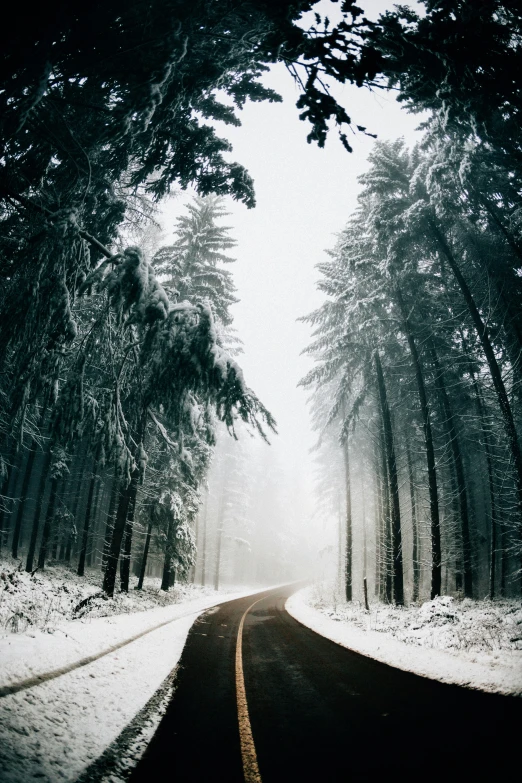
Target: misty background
304	197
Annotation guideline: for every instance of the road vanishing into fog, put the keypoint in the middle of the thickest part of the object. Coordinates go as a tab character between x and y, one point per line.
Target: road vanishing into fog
317	711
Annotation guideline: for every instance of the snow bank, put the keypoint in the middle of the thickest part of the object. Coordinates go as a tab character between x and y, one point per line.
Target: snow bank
55	730
426	644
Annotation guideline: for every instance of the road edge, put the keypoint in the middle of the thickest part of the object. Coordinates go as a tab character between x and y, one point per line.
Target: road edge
402	656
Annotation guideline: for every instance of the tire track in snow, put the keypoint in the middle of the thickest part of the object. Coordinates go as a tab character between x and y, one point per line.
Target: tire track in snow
39	679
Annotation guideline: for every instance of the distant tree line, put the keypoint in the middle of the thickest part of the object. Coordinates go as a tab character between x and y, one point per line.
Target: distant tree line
245	532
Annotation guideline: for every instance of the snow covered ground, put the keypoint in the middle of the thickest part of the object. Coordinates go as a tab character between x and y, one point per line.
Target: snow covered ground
53	731
473	643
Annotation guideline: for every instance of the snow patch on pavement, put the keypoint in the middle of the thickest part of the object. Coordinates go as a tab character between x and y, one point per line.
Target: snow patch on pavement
474	644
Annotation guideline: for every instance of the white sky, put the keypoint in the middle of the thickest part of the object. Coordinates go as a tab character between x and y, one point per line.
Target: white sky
304	197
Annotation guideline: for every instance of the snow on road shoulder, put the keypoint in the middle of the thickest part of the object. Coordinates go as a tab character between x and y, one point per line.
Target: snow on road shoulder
37	652
55	730
499	672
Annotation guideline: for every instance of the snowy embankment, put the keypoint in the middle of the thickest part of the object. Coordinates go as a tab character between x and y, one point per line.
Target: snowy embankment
53	731
476	644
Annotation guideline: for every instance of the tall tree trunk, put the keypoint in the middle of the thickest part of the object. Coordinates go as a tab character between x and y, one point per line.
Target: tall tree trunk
94	526
20	511
125	498
398	578
36	518
493	516
503	562
462	494
167	563
379	516
340	542
488	449
9	479
365	554
126	550
386	530
145	555
48	524
459	548
414	527
494	369
109	523
127	544
76	492
204	543
436	554
348	530
220	523
125	516
88	514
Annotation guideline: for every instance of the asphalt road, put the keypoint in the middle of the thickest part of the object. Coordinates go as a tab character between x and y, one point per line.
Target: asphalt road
319	712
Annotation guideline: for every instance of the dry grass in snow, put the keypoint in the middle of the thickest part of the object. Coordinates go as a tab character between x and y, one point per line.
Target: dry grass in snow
47	598
477	644
465	626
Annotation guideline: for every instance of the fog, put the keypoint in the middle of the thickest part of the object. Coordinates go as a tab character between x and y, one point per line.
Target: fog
304	197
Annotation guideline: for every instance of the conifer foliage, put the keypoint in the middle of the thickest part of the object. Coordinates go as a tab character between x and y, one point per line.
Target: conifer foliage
418	354
114	367
143	379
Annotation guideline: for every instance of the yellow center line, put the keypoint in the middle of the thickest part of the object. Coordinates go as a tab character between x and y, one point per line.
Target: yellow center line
248	749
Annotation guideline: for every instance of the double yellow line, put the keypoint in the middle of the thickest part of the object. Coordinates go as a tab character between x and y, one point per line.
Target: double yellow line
248	749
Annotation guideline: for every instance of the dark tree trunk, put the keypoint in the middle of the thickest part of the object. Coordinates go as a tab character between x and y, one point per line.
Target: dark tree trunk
348	531
414	527
494	524
56	532
459	565
36	519
503	562
127	544
488	449
109	524
340	539
365	555
76	492
88	515
48	524
145	556
124	516
379	516
20	511
167	563
11	472
436	555
204	544
125	498
462	494
218	557
494	369
398	578
220	524
386	531
94	526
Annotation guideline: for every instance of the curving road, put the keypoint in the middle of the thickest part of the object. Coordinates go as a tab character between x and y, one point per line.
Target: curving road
317	711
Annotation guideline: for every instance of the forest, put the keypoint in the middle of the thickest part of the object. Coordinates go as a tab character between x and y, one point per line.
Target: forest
121	390
417	369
